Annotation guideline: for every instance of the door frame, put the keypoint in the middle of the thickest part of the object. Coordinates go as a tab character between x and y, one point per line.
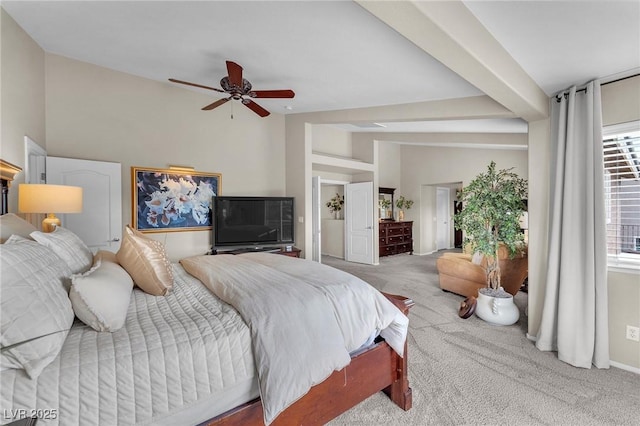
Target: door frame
316	216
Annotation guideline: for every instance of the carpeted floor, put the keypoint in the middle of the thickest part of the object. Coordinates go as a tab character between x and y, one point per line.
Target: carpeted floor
465	372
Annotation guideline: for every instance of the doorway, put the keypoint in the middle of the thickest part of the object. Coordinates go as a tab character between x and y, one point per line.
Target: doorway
348	235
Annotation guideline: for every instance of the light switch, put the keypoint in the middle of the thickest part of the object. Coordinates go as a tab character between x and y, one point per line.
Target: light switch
300	219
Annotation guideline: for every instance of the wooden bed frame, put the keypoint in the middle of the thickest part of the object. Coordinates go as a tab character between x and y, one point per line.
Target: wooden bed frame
377	368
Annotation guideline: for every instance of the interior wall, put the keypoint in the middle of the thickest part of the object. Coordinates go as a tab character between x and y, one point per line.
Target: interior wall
331	140
22	97
99	114
422	165
389	168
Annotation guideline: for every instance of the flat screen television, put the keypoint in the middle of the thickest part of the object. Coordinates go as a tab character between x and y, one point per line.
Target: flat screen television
253	222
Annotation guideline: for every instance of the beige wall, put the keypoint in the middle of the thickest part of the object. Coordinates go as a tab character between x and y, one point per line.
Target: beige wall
330	140
389	166
428	166
22	84
100	114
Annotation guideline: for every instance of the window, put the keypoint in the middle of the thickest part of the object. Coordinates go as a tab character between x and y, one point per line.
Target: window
622	191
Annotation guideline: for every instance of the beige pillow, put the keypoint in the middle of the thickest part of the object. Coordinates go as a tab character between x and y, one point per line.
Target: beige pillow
146	261
11	224
68	246
100	297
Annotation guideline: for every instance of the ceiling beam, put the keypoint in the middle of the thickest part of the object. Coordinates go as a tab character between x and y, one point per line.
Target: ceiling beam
449	32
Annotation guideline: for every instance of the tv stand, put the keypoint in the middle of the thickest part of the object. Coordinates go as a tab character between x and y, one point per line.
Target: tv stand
294	252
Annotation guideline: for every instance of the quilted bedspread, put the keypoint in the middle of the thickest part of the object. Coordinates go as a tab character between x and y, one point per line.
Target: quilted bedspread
304	318
172	353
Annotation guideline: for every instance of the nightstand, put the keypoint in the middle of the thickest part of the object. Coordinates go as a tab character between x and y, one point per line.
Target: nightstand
295	252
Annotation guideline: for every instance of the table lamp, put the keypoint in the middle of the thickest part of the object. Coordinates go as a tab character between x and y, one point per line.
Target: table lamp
45	198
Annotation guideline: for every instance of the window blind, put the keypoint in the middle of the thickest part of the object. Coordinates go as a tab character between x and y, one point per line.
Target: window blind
622	192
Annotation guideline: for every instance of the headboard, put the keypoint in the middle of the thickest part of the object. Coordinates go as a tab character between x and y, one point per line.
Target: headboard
7	172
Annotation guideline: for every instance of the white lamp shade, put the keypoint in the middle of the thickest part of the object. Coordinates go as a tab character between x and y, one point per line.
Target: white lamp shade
44	198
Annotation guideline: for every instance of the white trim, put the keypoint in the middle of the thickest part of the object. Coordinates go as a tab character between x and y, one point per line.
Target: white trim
467	145
625	367
532	338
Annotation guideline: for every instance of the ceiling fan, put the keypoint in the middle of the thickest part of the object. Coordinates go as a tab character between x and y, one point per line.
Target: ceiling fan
240	89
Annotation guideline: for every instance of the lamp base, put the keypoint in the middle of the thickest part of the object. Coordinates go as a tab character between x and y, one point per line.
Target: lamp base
50	222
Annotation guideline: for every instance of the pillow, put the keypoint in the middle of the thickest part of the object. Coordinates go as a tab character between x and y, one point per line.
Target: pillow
11	224
146	261
68	246
100	297
16	239
36	311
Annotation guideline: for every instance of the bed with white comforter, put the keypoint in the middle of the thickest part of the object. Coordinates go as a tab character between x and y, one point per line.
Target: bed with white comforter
190	355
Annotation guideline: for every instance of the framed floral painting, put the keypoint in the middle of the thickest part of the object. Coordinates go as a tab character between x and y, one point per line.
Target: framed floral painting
166	200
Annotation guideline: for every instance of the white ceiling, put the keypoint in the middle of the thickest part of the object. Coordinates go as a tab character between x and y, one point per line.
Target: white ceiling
334	55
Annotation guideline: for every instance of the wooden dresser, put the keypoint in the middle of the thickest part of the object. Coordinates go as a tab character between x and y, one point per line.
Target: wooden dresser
395	237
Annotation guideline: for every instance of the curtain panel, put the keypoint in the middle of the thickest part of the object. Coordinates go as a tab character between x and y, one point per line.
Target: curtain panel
575	314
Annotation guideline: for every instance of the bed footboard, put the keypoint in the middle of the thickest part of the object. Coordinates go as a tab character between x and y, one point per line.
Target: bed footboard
371	370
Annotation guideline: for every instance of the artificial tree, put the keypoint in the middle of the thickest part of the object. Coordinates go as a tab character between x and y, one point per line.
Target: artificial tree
492	205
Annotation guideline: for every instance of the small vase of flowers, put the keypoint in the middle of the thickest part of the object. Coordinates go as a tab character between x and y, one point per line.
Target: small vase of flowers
402	203
335	205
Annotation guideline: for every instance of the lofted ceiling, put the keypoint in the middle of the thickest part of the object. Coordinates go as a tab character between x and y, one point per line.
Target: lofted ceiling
334	54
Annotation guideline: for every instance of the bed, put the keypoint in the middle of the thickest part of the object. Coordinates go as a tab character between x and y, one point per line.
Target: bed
189	357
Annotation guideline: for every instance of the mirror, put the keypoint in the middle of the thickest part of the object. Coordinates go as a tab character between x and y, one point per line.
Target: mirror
385	203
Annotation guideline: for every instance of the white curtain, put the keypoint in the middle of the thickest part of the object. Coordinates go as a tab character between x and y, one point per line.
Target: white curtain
575	315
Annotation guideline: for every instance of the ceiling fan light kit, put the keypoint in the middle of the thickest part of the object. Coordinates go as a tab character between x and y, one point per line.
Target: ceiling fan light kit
239	89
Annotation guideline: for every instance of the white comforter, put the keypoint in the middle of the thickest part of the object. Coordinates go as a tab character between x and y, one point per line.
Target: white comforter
304	318
179	360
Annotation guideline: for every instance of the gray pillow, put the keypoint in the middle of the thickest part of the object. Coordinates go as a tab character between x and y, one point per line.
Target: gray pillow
36	311
11	224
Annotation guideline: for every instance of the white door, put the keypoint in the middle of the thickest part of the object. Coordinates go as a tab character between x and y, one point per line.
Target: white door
316	220
443	229
359	209
34	161
100	223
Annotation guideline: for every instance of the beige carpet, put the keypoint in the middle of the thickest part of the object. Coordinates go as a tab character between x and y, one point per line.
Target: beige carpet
469	372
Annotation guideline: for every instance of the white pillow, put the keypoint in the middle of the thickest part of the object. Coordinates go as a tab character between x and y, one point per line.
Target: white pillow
100	297
68	246
146	261
36	311
11	224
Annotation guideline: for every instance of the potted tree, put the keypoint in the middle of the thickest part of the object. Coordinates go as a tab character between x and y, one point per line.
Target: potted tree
492	205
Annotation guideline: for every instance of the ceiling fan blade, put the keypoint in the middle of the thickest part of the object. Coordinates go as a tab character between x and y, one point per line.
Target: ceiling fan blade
255	107
235	73
272	94
173	80
216	104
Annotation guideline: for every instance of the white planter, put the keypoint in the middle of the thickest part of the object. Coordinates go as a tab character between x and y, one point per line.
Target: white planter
497	310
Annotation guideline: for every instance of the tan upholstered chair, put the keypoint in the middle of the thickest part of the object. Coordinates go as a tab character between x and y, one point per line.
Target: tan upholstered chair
459	274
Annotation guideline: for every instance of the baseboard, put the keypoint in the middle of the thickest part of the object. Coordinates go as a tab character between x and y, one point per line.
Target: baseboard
619	365
625	367
425	254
